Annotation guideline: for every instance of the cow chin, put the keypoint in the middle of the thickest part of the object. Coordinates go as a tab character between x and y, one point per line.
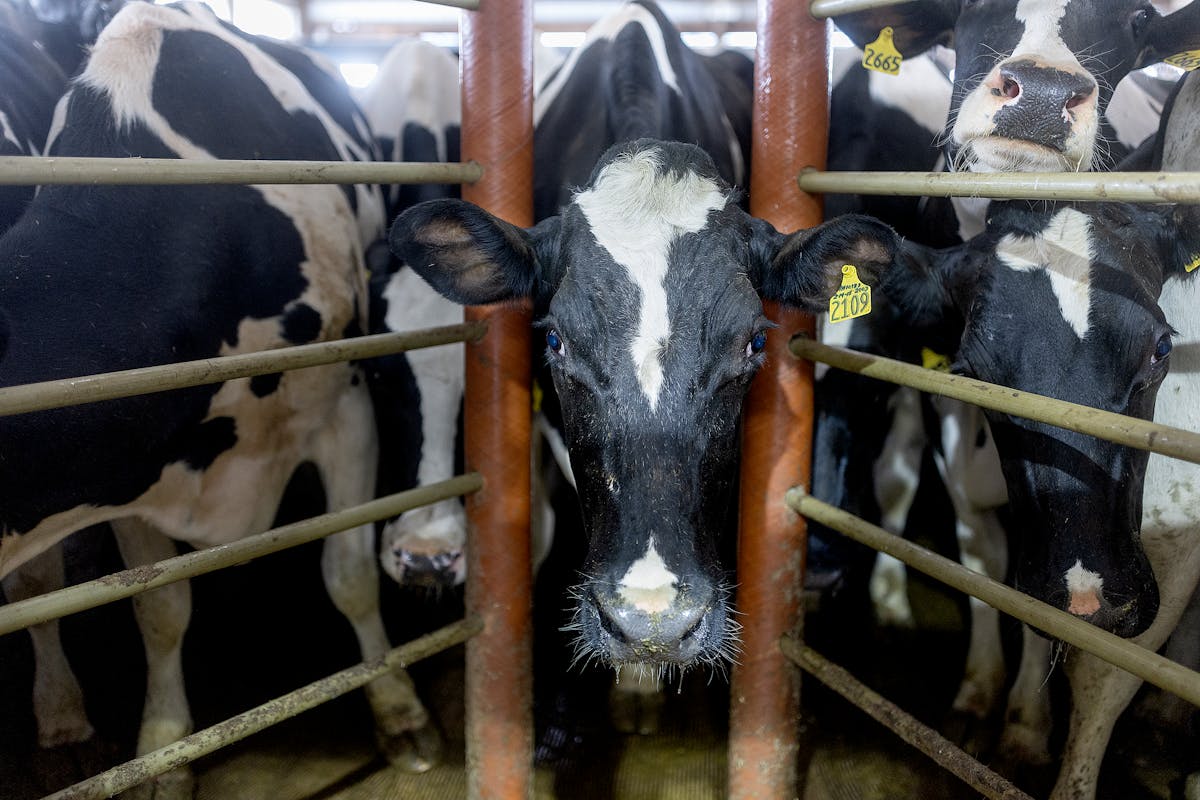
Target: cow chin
696	628
1002	154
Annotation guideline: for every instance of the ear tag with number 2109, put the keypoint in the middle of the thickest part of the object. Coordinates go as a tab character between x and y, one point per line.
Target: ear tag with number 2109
881	55
852	300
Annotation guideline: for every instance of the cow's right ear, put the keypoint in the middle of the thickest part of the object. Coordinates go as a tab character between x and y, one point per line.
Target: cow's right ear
916	26
932	289
471	256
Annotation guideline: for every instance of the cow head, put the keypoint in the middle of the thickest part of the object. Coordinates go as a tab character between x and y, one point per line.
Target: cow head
1032	77
1061	300
649	285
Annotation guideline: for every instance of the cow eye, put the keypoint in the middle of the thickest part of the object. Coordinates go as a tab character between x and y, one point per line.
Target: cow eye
1162	349
555	342
756	345
1139	21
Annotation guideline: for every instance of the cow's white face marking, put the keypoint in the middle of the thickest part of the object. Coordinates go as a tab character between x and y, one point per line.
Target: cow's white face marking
1085	589
636	212
1064	250
1042	42
606	30
648	585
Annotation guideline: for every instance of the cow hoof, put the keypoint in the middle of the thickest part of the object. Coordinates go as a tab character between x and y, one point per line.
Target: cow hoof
1024	745
635	712
178	784
56	768
413	751
970	732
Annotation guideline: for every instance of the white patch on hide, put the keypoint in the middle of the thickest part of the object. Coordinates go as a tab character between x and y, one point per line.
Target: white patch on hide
636	212
1064	250
648	585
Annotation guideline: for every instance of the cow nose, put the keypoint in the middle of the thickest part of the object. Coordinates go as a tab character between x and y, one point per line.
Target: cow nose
433	570
673	634
1049	88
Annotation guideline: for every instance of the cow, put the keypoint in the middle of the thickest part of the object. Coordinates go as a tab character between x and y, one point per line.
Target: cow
884	122
648	287
165	274
62	29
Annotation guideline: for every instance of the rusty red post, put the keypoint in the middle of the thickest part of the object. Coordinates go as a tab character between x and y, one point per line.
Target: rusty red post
791	120
497	131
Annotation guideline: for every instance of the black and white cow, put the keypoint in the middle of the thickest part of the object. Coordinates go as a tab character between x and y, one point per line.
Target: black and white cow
648	285
164	274
921	120
63	29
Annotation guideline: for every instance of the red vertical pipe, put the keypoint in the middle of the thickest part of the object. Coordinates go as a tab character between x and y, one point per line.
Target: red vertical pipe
791	119
497	131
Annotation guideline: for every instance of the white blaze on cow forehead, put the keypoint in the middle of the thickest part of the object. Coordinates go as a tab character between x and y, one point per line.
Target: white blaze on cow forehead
648	585
635	212
1064	249
606	30
1043	32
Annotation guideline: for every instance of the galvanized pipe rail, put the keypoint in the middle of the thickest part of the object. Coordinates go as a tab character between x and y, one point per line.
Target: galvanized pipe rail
824	9
468	5
1129	431
1145	664
46	170
234	729
1125	187
119	585
183	374
948	755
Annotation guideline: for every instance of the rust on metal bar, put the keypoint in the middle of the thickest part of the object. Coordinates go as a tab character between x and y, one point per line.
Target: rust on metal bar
164	377
1149	666
234	729
1130	431
791	129
1125	187
497	131
89	170
60	603
947	755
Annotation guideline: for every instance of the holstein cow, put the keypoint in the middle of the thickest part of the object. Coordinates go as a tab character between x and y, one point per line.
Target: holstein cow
178	273
1030	85
648	286
63	29
1060	299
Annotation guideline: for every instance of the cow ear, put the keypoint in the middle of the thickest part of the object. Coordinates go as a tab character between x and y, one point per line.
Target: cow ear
933	289
804	269
1166	36
470	256
1182	241
916	26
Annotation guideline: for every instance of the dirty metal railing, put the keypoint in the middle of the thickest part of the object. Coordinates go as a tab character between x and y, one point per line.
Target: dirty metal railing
1128	187
824	9
234	729
469	5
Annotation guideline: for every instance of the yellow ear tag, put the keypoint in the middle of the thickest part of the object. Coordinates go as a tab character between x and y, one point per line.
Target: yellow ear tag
1187	60
537	394
852	300
932	360
881	55
1192	266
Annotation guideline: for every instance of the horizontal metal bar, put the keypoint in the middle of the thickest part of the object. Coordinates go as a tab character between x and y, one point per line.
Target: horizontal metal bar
44	170
1139	433
1147	665
234	729
469	5
944	752
60	603
824	9
1128	187
143	380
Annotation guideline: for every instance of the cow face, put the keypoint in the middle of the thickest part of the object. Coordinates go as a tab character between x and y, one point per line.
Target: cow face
649	286
1062	301
1032	77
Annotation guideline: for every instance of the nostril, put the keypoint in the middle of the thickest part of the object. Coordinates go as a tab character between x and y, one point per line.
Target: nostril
610	626
1078	98
1010	88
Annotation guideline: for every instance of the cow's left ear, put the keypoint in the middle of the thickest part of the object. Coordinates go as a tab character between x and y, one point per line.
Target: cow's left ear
1178	32
804	269
472	257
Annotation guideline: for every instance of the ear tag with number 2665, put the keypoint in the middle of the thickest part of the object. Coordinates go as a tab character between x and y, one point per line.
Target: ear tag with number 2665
881	55
852	300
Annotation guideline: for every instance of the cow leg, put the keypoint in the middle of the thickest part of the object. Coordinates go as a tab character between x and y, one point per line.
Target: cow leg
57	697
402	725
345	457
1027	722
162	616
